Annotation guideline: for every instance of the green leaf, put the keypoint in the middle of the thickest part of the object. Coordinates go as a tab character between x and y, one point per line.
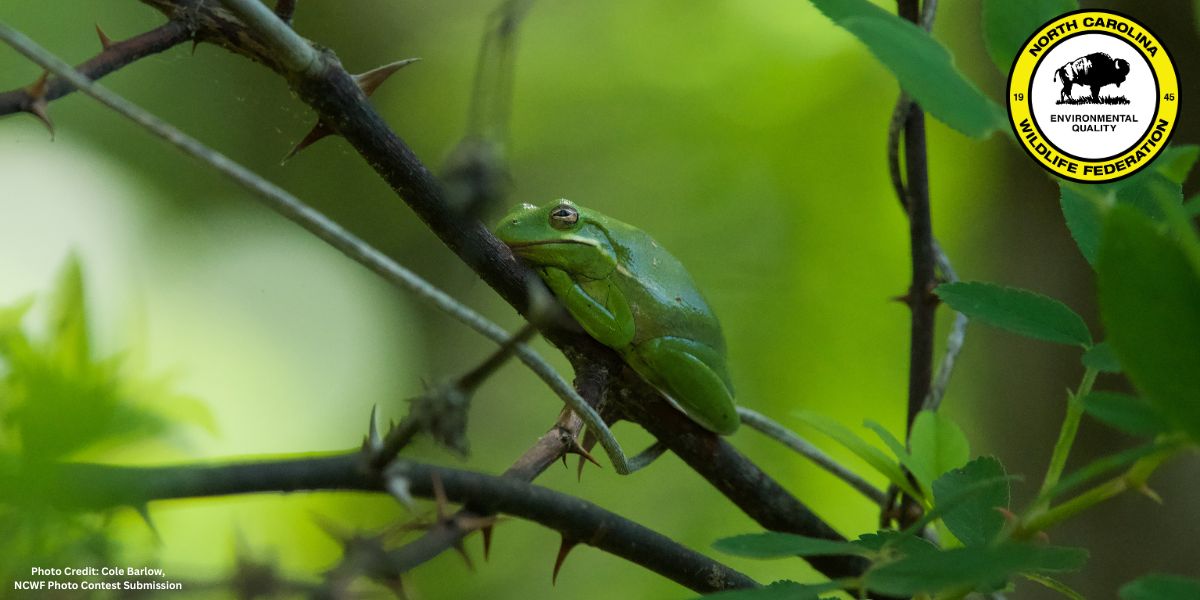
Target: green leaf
924	67
1101	358
1055	585
1018	311
1126	413
69	323
1161	587
938	445
1193	206
1084	206
969	566
893	444
1150	303
870	454
890	539
773	544
779	590
1176	162
1085	218
974	521
1008	23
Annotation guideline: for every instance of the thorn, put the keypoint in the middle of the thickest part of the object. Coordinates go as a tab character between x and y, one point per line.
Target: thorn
399	488
462	551
195	42
1146	491
332	529
374	440
371	80
37	106
905	299
589	442
143	511
563	456
563	550
486	532
583	453
319	132
105	41
439	495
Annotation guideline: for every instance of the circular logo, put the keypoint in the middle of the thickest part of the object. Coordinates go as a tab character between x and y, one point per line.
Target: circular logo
1093	96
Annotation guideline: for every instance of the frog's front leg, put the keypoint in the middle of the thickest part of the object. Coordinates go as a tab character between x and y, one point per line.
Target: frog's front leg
597	304
684	371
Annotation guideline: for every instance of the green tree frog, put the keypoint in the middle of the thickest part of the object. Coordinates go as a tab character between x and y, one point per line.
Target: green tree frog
634	297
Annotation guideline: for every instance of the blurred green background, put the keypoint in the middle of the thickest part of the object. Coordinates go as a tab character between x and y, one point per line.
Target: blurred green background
747	136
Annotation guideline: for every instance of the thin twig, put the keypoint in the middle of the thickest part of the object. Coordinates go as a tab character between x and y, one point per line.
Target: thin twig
761	423
79	485
115	56
324	228
292	51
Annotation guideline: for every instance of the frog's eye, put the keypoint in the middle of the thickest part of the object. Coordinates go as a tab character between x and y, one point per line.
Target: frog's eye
564	217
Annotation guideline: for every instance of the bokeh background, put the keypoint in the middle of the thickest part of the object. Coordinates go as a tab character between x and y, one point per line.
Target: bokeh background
747	136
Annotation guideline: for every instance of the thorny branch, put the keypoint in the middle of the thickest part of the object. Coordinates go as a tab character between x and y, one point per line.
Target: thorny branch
79	485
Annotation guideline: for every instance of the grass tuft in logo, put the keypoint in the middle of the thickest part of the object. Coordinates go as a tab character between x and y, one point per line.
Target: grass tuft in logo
1093	96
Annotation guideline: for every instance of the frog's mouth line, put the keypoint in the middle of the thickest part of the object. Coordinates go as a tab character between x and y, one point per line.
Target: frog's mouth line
549	243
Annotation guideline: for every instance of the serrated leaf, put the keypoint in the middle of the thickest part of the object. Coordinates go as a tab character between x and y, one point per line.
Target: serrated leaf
870	454
779	590
1150	303
974	521
937	446
1161	587
772	544
1016	310
1126	413
1084	214
1101	358
924	67
891	539
1008	23
969	566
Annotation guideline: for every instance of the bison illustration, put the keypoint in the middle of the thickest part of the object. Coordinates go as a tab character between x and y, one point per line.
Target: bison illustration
1095	70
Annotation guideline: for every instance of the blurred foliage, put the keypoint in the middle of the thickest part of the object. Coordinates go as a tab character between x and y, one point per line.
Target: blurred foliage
746	136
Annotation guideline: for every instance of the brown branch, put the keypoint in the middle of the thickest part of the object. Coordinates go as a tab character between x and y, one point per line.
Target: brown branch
920	293
111	58
91	486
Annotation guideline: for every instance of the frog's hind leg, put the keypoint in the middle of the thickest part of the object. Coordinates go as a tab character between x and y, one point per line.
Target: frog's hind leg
684	371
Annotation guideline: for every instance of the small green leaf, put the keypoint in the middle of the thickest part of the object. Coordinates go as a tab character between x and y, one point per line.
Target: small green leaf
870	454
1176	162
974	521
924	67
1085	218
1101	358
1054	584
1161	587
779	590
1149	299
1193	206
1018	311
1008	23
938	445
970	566
773	544
893	444
68	316
1126	413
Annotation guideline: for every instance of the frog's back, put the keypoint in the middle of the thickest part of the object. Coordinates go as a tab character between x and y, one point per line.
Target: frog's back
656	283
